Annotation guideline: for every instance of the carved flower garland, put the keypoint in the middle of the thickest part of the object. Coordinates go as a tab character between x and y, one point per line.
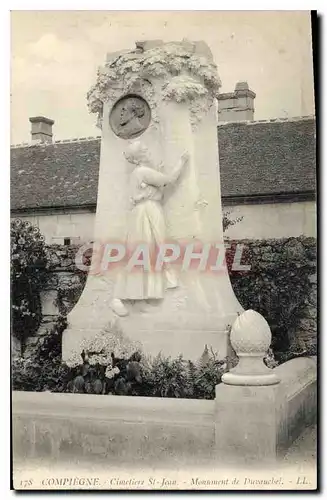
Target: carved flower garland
195	76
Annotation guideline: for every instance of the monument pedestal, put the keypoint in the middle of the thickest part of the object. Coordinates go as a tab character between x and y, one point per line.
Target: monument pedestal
187	319
163	95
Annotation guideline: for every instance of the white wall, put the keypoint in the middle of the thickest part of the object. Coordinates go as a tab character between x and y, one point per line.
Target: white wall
55	227
273	220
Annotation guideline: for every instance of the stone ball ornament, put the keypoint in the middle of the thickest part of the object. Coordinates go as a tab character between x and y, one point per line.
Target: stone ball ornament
250	339
130	117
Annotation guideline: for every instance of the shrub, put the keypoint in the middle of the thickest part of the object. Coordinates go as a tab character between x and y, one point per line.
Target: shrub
158	377
119	377
43	369
123	373
28	275
115	368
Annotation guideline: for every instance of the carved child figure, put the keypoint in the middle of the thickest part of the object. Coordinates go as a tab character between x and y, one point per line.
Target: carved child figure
146	226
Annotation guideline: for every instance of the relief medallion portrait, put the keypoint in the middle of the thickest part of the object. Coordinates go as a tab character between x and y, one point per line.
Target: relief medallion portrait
130	117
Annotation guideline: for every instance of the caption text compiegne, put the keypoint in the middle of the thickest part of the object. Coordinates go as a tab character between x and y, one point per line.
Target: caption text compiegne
195	482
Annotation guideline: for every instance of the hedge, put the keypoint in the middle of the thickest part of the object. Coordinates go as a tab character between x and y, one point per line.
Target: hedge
280	285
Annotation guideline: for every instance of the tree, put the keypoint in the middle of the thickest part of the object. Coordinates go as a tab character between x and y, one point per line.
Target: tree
28	273
230	222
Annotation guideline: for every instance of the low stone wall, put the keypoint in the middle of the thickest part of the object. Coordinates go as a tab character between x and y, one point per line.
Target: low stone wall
115	429
259	423
298	398
243	424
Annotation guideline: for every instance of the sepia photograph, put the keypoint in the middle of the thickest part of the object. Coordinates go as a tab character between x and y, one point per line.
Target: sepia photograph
163	250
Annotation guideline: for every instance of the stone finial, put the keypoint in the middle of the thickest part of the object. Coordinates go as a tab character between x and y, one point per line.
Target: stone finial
250	338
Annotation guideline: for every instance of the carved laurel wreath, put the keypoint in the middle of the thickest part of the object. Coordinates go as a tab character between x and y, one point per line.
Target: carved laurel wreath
183	76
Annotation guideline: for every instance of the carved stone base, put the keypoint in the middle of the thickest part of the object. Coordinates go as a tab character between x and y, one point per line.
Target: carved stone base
188	318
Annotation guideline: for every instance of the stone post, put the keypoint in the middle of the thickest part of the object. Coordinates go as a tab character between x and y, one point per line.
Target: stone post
247	402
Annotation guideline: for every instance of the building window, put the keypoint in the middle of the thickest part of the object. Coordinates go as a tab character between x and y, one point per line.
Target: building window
66	241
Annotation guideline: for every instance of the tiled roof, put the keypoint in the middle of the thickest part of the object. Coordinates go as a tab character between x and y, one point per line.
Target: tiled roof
268	157
256	158
61	174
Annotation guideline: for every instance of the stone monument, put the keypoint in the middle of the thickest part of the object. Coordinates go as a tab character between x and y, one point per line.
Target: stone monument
159	183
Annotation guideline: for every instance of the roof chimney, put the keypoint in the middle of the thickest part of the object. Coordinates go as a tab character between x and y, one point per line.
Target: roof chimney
238	105
41	129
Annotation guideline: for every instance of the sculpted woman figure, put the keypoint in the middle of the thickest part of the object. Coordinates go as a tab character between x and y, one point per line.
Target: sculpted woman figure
146	226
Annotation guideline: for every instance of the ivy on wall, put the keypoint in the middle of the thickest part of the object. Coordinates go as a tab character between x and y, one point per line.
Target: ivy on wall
280	285
65	278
